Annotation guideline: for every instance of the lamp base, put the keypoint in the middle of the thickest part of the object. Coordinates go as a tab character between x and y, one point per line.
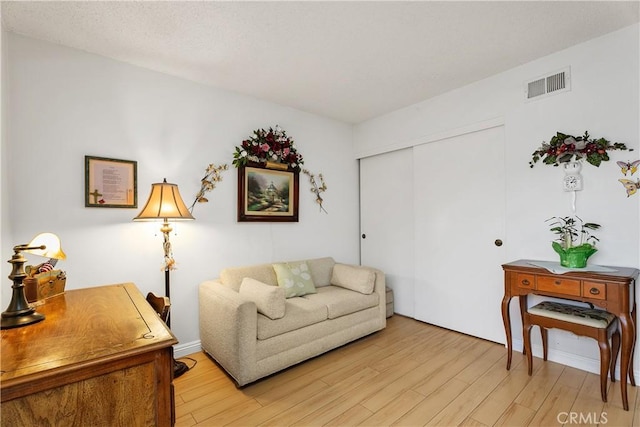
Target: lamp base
16	320
179	368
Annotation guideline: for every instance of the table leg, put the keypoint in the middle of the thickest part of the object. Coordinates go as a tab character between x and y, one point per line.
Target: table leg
522	299
633	344
506	319
628	331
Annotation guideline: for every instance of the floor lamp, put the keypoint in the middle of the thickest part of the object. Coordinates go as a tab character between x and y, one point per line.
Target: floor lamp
165	204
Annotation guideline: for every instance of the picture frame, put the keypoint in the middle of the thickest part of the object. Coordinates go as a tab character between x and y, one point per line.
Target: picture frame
110	183
267	194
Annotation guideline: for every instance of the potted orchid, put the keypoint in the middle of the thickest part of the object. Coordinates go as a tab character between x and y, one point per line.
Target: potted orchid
575	244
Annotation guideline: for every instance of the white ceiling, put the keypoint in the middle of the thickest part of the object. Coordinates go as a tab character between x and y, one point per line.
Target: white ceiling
351	61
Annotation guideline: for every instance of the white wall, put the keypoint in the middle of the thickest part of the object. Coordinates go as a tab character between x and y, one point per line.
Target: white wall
64	104
5	236
604	100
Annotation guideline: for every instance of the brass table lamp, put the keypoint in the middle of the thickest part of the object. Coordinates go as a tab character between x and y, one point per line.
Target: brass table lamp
19	313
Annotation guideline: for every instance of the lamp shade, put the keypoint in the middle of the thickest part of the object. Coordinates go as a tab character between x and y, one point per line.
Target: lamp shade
53	248
164	203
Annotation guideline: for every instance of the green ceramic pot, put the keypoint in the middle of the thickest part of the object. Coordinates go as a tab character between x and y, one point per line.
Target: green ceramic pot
574	257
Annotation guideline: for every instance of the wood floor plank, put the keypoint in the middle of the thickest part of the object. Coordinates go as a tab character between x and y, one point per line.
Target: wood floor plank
395	409
589	411
538	388
558	402
572	377
614	408
405	382
516	415
476	368
327	396
616	416
404	351
636	409
470	422
334	411
353	416
463	405
459	361
331	412
232	401
501	398
409	374
273	409
230	415
206	386
209	399
432	404
185	420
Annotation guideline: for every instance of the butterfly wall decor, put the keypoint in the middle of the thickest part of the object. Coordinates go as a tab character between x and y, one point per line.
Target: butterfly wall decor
629	167
631	186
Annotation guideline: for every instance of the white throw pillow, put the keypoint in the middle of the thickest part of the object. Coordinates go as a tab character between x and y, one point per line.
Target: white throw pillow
269	299
353	278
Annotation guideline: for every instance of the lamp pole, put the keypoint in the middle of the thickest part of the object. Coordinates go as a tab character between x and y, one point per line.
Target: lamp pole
168	262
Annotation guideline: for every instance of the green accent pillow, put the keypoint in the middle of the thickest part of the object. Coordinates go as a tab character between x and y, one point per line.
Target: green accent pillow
294	278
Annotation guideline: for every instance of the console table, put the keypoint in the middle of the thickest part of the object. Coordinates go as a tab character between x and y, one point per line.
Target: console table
102	356
613	291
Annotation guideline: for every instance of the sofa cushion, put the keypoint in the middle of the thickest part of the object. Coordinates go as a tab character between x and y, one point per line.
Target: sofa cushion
340	301
232	277
300	312
321	270
294	278
352	277
269	300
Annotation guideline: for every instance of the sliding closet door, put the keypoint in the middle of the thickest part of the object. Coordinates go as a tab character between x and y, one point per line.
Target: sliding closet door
386	222
459	208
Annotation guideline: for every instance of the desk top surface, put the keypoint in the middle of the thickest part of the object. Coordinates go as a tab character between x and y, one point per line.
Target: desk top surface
83	327
618	273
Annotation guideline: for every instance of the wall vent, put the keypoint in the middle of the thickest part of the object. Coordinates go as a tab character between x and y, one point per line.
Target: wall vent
549	84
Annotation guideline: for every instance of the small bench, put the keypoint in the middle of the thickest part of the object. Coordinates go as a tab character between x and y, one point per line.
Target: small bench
584	321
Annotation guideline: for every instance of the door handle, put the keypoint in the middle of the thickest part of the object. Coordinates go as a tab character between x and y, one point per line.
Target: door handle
498	242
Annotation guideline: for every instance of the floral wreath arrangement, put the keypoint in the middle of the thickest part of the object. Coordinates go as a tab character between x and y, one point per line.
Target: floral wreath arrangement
271	145
564	148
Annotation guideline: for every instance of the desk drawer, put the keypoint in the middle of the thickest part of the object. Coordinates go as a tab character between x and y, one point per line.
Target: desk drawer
527	281
559	286
594	290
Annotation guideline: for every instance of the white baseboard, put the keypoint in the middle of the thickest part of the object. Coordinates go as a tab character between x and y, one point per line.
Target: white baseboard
186	349
570	359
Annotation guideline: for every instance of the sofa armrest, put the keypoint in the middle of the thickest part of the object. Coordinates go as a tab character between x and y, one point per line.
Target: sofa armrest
228	329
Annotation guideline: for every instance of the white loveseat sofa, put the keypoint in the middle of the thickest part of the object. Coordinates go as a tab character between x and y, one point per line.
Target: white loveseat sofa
252	330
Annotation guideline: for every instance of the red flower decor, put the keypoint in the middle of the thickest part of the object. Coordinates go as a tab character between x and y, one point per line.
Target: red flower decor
271	145
564	148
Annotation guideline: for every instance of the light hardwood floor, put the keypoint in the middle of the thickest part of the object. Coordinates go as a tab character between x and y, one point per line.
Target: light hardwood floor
410	374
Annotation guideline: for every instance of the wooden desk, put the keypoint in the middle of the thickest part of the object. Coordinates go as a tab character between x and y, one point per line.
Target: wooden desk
101	357
614	292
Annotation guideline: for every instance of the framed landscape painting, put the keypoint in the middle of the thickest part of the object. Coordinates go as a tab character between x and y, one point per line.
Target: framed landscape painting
267	194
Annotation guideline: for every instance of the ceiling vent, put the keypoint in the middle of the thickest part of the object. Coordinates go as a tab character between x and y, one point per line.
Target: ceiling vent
549	84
